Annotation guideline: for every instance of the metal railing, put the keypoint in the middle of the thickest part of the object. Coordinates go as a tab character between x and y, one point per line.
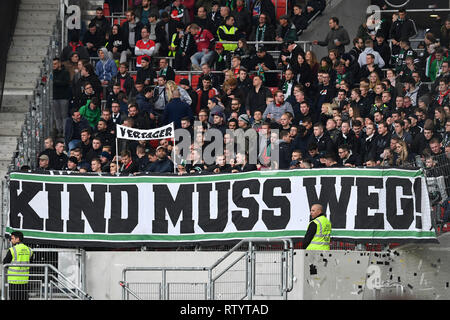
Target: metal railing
46	284
437	175
239	277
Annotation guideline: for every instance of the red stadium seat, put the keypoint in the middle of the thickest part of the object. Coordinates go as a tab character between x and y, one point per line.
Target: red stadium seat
178	77
273	89
106	11
195	79
134	75
280	7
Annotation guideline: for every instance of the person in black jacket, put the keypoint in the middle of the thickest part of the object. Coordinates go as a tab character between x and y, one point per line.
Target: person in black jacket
131	32
117	43
243	19
61	94
129	166
256	97
299	18
60	161
93	40
242	163
402	28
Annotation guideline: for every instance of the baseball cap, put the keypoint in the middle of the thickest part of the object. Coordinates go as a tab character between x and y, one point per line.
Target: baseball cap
160	147
106	155
218	113
184	82
73	159
44	157
219	45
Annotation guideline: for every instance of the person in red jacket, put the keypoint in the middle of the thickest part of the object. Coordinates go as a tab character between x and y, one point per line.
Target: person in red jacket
144	47
205	42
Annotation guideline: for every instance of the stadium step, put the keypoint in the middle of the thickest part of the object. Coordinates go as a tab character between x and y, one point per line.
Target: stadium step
41	2
46	7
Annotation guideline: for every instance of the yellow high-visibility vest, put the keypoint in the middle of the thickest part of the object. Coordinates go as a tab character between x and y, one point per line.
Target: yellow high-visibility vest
21	254
321	240
232	30
172	44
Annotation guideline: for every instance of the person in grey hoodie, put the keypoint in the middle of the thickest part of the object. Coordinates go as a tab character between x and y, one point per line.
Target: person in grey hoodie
106	68
337	37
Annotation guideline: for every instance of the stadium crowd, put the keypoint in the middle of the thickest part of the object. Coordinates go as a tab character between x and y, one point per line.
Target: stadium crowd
364	107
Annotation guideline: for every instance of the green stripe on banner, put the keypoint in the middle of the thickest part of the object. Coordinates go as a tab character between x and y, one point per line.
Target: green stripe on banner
221	177
221	236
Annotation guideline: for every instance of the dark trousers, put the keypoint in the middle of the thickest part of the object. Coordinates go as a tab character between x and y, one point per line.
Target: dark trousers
18	291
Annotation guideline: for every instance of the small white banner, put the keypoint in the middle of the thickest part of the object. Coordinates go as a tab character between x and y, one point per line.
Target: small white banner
128	133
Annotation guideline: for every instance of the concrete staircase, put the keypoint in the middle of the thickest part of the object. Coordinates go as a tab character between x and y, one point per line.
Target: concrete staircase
25	58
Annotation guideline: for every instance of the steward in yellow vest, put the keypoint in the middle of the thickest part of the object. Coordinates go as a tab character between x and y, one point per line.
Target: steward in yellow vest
228	32
318	235
18	276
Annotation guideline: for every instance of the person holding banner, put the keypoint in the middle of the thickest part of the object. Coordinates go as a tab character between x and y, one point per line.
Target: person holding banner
317	236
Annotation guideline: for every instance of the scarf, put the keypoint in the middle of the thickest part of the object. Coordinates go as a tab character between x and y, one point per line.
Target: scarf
260	31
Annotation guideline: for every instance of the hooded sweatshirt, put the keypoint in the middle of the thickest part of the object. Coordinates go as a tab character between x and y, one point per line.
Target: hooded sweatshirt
106	68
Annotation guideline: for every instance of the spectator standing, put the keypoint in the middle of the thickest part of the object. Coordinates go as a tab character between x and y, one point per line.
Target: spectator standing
61	95
337	37
401	28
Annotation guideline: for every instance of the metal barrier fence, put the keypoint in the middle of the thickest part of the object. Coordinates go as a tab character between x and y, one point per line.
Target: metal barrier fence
45	283
437	173
252	267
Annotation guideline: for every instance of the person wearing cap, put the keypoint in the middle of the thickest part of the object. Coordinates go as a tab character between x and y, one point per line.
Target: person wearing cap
244	122
263	62
221	59
214	106
218	121
44	163
286	30
184	84
72	164
411	90
228	32
162	164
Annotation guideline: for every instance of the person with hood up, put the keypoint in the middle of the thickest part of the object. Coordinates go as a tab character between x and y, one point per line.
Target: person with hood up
106	68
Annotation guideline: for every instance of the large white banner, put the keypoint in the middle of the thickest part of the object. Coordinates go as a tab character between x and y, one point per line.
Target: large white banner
362	204
128	133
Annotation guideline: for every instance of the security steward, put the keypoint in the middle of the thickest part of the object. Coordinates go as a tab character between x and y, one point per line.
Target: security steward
318	235
18	276
228	32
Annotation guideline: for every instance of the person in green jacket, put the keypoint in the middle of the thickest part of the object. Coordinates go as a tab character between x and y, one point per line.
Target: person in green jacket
91	111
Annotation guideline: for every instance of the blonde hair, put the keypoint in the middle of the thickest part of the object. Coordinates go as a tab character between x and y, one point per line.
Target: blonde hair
171	86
